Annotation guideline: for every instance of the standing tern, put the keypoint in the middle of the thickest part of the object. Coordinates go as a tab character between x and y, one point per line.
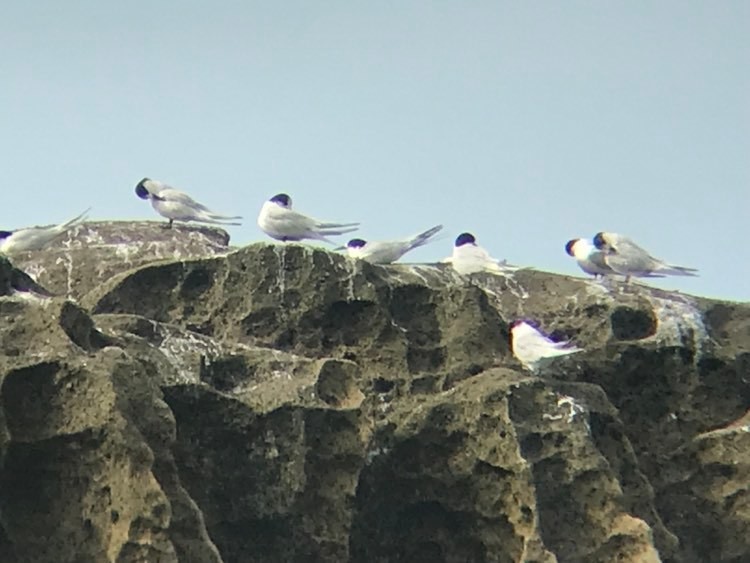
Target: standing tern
469	258
388	251
280	222
589	258
178	206
628	259
533	349
35	238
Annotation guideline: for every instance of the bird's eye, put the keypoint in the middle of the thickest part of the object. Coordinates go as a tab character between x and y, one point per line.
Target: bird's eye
569	246
465	238
282	199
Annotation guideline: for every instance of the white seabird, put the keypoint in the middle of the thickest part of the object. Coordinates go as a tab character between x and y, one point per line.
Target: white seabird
280	222
388	251
470	258
35	238
533	349
178	206
626	258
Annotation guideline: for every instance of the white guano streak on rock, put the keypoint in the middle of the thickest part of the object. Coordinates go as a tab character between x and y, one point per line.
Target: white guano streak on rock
597	288
92	237
34	270
179	348
416	270
280	253
125	251
350	281
67	260
680	323
569	410
515	288
41	300
351	267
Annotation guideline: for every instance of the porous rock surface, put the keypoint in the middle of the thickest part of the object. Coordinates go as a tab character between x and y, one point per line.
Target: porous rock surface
285	403
90	253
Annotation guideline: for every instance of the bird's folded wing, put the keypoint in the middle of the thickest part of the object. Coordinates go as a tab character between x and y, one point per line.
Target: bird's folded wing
181	197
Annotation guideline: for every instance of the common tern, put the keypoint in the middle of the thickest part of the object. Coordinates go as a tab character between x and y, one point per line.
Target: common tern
533	349
588	257
469	258
388	251
280	222
178	206
35	238
628	259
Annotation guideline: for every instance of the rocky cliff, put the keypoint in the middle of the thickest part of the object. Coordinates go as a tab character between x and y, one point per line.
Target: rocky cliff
166	398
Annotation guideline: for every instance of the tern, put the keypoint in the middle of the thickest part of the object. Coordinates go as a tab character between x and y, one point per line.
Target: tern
533	349
178	206
626	258
280	222
387	251
35	238
589	258
469	258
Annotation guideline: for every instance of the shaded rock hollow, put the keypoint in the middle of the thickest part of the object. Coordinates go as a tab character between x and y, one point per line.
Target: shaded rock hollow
284	403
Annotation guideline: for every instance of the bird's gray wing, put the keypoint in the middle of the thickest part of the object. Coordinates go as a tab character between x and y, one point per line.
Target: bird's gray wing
598	260
629	258
171	194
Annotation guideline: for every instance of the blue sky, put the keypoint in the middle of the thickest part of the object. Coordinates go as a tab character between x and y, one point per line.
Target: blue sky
526	123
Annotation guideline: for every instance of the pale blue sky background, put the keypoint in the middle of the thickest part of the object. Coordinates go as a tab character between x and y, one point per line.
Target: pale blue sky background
527	123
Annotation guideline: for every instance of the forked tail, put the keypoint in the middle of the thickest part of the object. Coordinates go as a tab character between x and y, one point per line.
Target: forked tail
329	229
214	221
220	217
79	219
671	270
423	238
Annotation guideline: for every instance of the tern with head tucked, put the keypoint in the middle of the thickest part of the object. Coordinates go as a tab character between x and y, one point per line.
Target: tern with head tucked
535	350
280	222
626	258
470	258
388	251
35	238
178	206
